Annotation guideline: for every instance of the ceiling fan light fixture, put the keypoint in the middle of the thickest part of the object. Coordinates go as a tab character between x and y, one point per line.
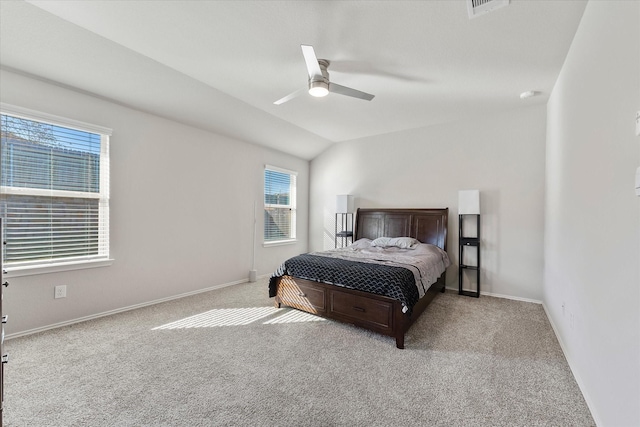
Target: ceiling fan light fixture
318	89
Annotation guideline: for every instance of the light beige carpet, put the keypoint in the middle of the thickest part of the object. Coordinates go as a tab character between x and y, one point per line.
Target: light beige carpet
227	358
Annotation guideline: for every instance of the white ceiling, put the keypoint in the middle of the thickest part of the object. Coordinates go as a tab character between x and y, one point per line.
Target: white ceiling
220	65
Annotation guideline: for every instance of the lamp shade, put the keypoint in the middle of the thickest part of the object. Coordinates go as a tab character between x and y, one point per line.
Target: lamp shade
469	202
344	203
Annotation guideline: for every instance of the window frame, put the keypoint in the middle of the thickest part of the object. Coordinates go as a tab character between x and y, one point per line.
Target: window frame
292	206
70	263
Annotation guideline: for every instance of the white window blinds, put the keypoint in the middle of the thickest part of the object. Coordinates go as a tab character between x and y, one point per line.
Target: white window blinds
279	204
54	194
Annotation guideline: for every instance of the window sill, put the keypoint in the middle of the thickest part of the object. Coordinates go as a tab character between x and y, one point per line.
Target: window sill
280	243
55	268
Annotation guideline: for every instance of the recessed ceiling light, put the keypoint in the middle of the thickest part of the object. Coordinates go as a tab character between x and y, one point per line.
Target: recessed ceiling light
528	94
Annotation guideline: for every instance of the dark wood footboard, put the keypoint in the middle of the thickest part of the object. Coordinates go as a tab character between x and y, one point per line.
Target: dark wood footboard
376	313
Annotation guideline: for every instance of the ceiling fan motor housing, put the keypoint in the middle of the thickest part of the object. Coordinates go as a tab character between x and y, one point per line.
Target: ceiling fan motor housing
319	85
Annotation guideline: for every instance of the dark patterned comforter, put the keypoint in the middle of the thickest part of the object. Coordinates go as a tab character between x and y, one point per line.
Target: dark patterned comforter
395	282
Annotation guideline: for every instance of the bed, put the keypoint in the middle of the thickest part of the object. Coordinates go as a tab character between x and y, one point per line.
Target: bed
321	292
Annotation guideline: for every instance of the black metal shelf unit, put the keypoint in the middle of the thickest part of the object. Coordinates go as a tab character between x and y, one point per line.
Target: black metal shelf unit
343	235
466	242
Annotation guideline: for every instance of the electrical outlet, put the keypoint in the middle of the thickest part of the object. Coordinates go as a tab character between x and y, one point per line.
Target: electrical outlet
60	291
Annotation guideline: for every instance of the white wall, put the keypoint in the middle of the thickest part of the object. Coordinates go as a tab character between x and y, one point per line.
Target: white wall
592	236
181	211
501	155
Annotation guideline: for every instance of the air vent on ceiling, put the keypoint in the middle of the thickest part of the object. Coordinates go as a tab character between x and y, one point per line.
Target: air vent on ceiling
480	7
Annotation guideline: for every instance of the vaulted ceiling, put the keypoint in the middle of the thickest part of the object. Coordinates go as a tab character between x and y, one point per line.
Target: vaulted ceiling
220	65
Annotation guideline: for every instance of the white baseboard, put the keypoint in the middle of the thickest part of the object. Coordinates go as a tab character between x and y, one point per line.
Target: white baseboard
579	381
489	294
123	309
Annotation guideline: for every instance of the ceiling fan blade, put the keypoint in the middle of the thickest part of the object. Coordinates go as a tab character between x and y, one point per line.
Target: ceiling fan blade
291	96
343	90
312	61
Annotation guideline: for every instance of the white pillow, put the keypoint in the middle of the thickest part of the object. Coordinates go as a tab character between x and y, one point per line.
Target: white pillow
360	244
398	242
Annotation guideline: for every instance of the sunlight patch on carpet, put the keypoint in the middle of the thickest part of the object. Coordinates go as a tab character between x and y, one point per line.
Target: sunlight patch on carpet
222	317
239	317
294	316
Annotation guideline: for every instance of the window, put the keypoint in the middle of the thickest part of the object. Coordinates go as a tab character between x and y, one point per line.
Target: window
54	189
279	205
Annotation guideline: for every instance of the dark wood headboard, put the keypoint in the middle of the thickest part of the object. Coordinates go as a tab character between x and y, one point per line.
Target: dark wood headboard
425	225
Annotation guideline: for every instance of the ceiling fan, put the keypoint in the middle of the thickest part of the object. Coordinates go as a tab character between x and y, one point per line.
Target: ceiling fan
319	84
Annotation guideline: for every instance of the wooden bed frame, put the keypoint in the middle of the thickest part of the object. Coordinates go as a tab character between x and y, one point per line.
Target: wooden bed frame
374	312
